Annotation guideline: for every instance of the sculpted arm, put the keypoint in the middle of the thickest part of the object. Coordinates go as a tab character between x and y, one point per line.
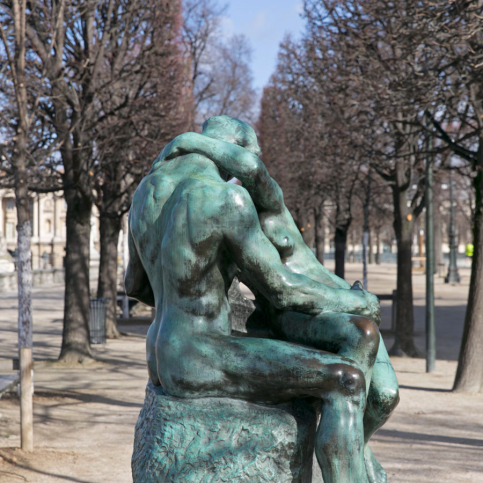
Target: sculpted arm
260	262
136	281
237	161
265	193
302	260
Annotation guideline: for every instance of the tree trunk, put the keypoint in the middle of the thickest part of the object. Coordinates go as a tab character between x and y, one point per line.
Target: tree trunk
24	261
110	226
25	326
76	333
308	234
320	234
404	337
340	241
343	221
470	365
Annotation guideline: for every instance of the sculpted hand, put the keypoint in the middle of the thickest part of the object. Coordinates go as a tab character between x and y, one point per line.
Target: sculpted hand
372	310
177	146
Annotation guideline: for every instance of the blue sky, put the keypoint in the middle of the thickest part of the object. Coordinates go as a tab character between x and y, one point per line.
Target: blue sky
264	22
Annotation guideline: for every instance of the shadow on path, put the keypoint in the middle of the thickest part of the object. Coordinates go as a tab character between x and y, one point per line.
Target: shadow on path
22	466
88	398
430	389
429	437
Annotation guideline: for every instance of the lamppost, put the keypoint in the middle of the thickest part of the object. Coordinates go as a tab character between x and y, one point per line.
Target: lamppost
430	325
453	275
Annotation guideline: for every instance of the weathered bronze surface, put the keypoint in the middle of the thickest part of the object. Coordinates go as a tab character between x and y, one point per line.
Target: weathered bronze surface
215	440
191	233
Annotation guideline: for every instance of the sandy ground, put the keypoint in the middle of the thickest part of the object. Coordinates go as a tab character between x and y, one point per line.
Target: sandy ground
84	417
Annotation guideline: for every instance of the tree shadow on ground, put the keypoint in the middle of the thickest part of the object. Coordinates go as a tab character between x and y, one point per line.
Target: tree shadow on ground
46	473
434	438
87	398
430	389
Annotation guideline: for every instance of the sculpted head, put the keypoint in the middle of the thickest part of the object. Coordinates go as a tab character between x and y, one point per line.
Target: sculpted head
231	130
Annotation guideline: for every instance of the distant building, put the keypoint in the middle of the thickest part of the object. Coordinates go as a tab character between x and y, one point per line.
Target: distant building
48	215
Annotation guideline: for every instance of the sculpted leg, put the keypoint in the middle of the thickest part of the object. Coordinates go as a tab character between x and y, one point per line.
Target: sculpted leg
351	336
339	431
271	371
383	394
354	338
382	400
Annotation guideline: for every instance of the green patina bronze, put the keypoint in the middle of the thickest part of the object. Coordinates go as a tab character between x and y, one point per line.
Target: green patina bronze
191	233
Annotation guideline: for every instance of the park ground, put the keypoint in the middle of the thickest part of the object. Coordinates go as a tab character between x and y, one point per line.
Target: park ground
84	416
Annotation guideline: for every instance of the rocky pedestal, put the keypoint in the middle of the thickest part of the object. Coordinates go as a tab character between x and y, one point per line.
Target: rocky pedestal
215	440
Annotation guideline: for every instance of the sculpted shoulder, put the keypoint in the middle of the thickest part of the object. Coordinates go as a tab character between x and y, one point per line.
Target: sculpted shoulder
236	200
149	198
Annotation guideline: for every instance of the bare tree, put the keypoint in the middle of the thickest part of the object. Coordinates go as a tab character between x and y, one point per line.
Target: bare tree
379	69
70	44
26	164
458	123
13	37
130	137
219	67
310	140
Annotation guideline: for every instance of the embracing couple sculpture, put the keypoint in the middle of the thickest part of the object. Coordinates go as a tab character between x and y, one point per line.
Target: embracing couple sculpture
191	233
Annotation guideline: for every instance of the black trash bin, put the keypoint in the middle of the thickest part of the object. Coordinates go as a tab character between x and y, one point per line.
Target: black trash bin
98	320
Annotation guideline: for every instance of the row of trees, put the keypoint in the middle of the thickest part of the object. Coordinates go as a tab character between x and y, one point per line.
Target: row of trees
347	115
90	92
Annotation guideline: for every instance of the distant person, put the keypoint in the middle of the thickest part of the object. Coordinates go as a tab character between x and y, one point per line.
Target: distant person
469	252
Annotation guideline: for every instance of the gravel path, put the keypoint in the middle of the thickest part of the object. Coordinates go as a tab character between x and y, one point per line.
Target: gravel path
85	416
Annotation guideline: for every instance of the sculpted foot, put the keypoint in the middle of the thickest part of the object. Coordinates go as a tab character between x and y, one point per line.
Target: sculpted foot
375	472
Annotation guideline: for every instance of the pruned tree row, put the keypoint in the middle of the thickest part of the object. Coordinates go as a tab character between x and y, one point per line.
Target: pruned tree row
351	106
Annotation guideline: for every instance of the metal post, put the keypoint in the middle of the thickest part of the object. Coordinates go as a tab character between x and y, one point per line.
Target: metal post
365	237
430	328
453	275
125	261
365	244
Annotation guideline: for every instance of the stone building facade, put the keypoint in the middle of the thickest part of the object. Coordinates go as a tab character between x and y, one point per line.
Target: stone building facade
48	214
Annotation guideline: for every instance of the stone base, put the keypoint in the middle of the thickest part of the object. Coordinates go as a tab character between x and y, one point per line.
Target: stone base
215	440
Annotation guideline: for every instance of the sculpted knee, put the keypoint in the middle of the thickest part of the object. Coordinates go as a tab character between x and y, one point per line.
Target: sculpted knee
384	399
389	398
351	381
368	332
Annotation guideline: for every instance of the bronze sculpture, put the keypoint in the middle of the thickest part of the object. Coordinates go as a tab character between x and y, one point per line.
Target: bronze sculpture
190	234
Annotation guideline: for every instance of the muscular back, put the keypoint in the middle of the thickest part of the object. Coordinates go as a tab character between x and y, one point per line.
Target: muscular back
177	220
177	223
